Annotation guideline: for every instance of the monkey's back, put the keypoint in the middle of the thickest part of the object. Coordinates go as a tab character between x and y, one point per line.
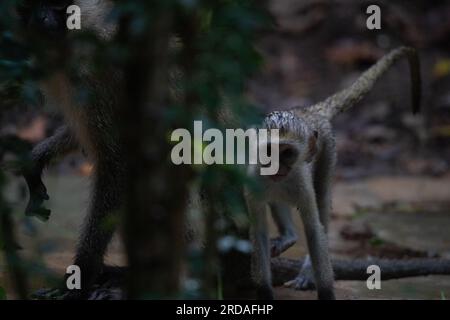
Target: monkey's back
90	107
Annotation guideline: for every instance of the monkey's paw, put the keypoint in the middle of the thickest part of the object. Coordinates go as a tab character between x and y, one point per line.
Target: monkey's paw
279	245
48	294
301	282
305	279
38	194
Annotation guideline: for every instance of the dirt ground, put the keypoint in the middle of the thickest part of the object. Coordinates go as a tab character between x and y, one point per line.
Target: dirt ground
400	220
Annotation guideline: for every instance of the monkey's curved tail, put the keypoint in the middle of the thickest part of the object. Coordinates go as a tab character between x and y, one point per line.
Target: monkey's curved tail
345	99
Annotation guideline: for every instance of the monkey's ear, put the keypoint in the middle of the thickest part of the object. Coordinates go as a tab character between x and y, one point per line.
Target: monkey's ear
312	146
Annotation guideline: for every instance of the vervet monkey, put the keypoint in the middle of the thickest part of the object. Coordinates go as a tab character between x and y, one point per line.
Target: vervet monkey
93	125
307	157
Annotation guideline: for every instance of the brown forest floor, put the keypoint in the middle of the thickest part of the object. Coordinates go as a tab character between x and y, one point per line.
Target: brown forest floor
370	218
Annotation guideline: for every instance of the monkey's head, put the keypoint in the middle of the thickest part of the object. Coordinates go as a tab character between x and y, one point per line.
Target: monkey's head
47	17
297	142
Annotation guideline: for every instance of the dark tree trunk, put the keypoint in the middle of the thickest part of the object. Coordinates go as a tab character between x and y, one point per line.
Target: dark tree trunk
156	190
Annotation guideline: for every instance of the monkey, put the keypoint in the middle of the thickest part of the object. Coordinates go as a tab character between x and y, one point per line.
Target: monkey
92	125
307	157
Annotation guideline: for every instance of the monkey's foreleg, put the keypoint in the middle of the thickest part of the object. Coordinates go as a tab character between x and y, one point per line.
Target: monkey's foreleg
323	174
315	236
288	237
60	143
259	236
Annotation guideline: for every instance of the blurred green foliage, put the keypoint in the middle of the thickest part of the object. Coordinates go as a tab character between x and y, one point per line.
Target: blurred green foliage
16	70
2	294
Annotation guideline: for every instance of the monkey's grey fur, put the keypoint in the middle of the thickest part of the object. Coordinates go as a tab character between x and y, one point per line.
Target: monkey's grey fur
93	125
307	160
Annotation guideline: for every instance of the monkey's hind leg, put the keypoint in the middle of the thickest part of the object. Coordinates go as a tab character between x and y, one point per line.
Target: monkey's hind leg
315	236
59	144
259	236
281	214
99	225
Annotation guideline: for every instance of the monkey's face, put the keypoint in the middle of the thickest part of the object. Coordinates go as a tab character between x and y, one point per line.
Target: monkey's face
292	153
288	155
47	17
297	142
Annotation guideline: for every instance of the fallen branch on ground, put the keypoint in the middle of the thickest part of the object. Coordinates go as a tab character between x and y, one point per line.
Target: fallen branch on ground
287	269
